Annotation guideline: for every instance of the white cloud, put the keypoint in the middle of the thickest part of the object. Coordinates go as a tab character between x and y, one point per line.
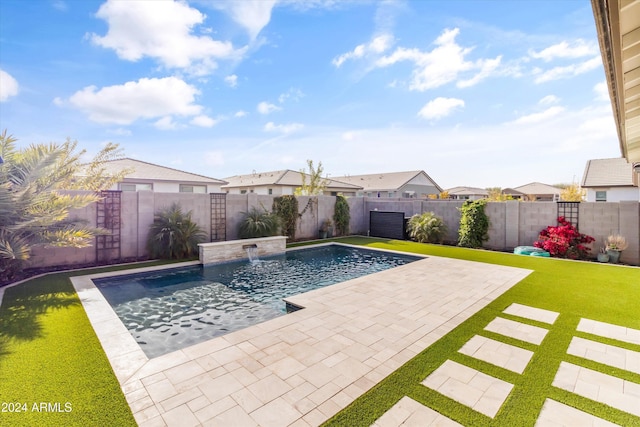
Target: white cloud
549	99
557	73
163	31
240	113
214	158
253	15
204	121
231	80
60	5
286	129
602	91
487	69
8	86
350	135
578	49
539	117
120	132
144	99
166	123
292	94
377	45
440	107
266	108
442	65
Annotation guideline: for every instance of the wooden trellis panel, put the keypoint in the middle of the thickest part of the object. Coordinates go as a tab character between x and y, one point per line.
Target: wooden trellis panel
218	217
108	217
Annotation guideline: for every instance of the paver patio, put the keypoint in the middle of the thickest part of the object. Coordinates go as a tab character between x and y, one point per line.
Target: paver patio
302	368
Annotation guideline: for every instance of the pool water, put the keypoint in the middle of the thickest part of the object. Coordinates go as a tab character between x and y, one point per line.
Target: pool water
166	310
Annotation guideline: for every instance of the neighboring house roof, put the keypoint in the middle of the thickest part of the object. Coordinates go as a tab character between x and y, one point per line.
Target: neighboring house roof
285	177
537	188
145	171
512	192
385	181
467	191
608	173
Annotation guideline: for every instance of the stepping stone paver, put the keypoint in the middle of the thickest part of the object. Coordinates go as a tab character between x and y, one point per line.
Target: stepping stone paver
409	413
556	414
497	353
613	391
608	330
517	330
479	391
606	354
539	314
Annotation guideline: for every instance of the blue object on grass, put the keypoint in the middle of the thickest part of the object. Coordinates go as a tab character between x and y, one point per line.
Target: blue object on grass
530	250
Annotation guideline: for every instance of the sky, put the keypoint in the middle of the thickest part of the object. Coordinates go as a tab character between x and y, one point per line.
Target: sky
475	93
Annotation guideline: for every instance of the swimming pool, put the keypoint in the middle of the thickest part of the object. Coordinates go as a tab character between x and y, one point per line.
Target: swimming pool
166	310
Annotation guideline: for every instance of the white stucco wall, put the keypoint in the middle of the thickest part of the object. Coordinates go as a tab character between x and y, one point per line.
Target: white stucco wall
615	194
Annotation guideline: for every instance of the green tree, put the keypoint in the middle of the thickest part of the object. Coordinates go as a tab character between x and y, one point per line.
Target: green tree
286	208
572	193
426	228
33	209
316	185
173	234
496	195
474	224
259	223
341	215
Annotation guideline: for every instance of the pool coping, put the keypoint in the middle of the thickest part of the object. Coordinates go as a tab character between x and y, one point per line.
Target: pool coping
337	323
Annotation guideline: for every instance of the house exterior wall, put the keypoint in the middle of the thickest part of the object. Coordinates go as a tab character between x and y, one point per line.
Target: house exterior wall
615	194
512	223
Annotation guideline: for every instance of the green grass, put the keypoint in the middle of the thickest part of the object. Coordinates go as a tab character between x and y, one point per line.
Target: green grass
574	289
50	354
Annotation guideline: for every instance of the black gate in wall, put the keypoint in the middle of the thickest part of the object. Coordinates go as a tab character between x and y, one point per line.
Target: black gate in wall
390	225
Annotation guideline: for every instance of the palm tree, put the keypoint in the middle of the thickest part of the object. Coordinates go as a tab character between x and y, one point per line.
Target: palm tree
259	223
173	234
426	228
33	210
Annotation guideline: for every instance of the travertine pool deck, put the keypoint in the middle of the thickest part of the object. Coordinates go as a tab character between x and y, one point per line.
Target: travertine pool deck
302	368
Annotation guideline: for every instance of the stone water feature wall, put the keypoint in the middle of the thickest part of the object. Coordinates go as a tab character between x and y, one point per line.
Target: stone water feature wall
239	249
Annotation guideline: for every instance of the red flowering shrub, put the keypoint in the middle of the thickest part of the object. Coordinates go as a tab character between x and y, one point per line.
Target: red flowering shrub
564	241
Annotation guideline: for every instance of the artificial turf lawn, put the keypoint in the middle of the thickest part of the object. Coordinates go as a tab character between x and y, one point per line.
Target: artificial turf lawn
576	290
49	354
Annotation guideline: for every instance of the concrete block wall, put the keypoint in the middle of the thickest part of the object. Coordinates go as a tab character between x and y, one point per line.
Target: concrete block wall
497	214
534	217
512	223
50	256
449	211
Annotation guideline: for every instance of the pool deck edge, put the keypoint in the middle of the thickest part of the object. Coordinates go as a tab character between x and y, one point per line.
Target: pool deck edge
302	368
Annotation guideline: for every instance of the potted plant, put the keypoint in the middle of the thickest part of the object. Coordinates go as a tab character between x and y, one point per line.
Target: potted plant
326	229
603	256
615	244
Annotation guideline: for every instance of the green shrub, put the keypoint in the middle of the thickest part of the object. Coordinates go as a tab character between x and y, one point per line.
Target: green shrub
173	235
259	223
426	228
474	224
286	208
341	216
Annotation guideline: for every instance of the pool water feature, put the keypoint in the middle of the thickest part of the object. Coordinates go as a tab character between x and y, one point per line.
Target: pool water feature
166	310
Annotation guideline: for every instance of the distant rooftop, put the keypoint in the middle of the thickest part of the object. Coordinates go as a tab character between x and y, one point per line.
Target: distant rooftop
537	188
615	172
149	171
385	181
284	177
